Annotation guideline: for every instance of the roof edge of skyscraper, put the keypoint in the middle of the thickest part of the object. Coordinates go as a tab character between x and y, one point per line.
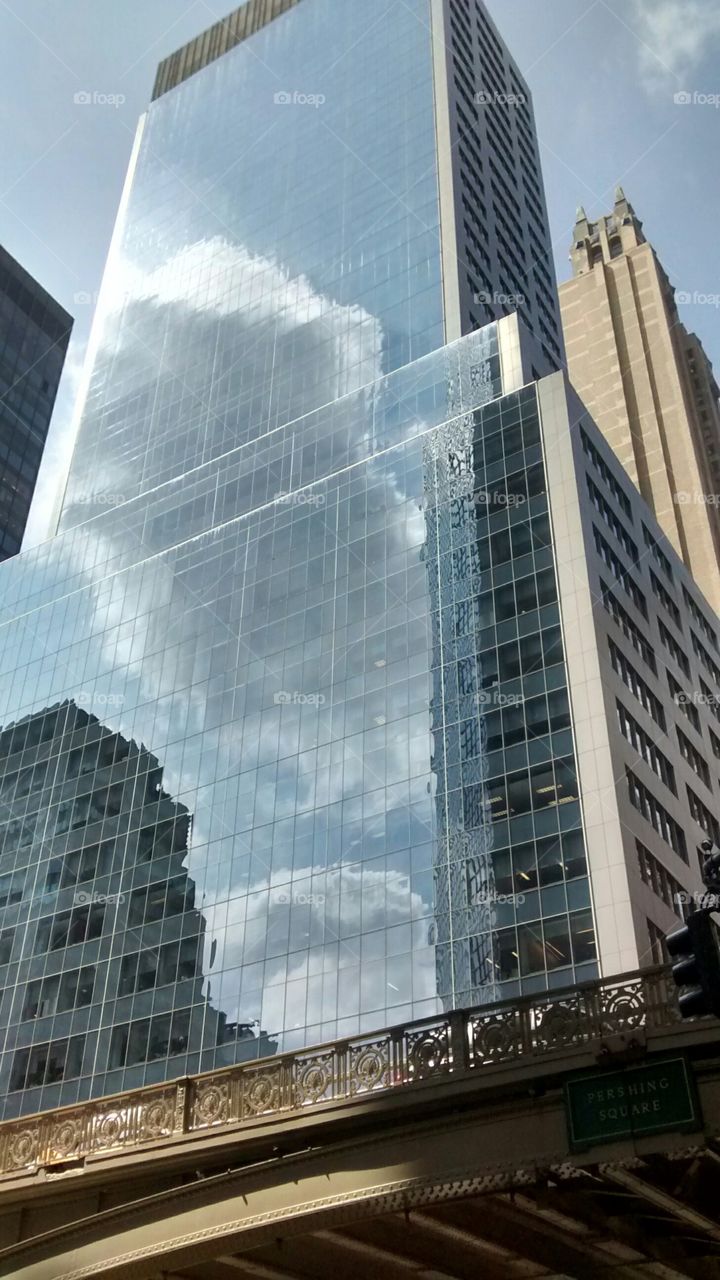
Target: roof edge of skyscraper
512	61
22	274
216	40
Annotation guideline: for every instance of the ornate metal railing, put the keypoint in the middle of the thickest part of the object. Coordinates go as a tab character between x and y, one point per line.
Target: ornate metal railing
456	1045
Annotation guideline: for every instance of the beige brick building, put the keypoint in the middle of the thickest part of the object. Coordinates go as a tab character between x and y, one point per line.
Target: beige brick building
647	382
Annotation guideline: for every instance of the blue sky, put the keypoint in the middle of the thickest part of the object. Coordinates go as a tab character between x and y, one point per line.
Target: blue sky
604	76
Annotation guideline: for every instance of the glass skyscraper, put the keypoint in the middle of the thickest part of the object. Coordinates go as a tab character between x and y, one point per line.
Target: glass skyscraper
266	772
34	335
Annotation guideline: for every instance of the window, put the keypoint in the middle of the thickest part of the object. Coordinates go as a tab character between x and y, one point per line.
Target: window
7	938
12	888
654	813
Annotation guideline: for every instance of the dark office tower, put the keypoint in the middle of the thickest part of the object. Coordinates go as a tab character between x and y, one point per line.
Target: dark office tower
34	335
271	566
497	253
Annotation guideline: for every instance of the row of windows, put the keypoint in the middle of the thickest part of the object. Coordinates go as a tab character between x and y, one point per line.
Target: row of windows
701	652
514	599
657	553
656	937
704	817
645	747
693	757
157	967
536	718
674	649
658	878
711	700
59	993
654	813
619	572
554	943
666	600
542	786
699	618
608	478
684	702
628	627
47	1063
611	520
81	924
636	685
163	1036
535	864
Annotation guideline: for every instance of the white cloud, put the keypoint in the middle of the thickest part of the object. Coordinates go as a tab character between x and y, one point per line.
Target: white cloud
676	36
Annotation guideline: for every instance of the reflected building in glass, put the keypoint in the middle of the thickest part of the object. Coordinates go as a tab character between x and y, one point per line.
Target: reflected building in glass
101	939
337	567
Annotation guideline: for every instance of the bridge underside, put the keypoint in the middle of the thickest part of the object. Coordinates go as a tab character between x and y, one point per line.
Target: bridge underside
636	1218
594	1223
456	1164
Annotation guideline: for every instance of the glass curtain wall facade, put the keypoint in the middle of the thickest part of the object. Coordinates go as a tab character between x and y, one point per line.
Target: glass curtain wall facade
280	245
361	800
303	585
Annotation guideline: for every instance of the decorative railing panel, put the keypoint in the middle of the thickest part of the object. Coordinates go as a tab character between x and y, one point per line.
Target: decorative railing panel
457	1045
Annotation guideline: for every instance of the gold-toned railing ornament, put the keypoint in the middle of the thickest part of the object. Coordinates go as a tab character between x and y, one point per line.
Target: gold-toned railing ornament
456	1044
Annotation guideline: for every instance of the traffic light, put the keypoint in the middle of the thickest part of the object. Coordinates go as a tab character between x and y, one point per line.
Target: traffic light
695	948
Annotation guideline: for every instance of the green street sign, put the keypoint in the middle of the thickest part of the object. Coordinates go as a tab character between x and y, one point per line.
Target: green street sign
610	1105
